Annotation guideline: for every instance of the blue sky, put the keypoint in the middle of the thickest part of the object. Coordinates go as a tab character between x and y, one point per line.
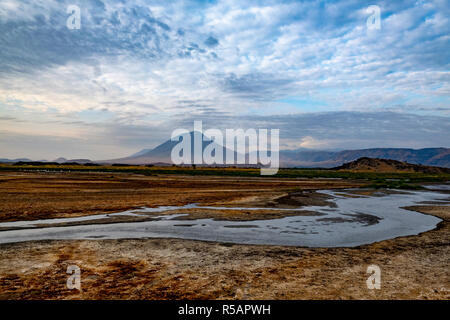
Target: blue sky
136	70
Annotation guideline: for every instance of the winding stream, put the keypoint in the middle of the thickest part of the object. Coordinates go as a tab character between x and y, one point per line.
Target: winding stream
355	221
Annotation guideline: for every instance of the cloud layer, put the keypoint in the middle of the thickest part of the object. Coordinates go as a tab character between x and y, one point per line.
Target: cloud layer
134	72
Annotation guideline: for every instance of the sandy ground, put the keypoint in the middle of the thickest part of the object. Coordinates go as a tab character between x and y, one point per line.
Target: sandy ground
414	267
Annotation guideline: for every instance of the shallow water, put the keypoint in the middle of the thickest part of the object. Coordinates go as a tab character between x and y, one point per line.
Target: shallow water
445	187
355	221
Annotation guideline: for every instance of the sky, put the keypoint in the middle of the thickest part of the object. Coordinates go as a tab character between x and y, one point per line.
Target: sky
321	72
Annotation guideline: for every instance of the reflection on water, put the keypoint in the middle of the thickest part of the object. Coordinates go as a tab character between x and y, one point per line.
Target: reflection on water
355	221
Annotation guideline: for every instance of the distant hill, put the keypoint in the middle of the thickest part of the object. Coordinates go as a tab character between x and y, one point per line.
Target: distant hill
327	159
64	160
4	160
58	160
387	165
79	160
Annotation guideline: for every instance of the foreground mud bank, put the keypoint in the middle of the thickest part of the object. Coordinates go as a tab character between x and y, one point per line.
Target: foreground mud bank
413	267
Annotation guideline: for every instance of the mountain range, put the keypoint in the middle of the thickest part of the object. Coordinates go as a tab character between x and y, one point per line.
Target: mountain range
428	156
310	158
387	165
305	158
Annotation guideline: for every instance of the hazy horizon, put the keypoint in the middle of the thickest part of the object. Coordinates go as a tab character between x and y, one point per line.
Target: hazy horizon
151	148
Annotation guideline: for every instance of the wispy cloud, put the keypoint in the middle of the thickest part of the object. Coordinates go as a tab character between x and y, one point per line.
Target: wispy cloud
154	64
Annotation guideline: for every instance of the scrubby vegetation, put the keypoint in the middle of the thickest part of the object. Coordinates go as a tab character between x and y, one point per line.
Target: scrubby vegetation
397	180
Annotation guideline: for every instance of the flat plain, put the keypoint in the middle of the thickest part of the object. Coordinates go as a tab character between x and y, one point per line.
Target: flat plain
413	267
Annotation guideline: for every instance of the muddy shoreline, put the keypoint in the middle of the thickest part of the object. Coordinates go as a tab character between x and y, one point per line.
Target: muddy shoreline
413	267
